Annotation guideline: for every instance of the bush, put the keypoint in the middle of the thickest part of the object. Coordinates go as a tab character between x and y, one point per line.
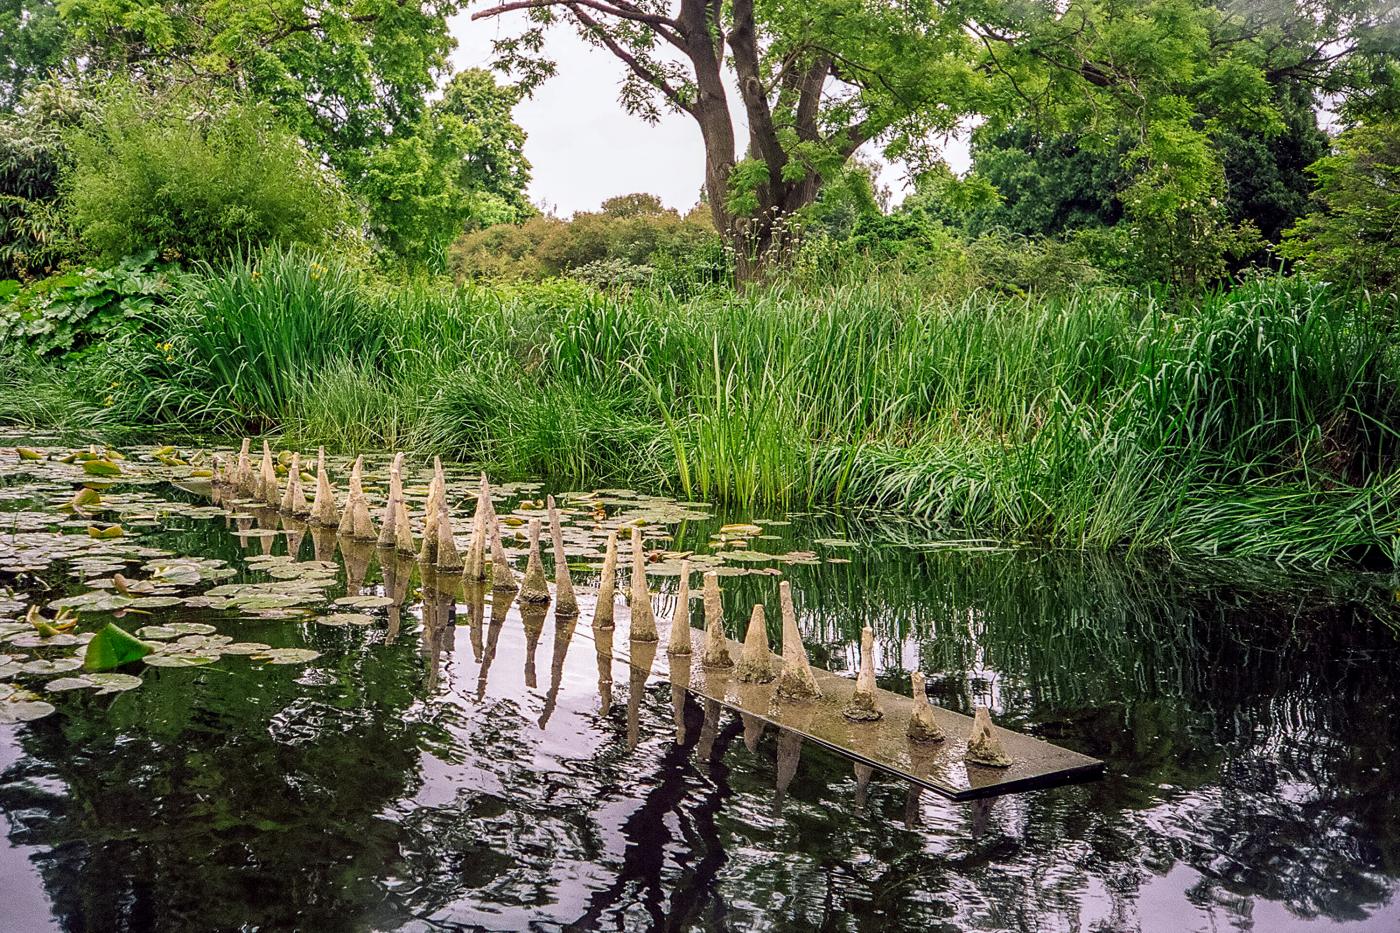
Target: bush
1354	233
69	311
195	179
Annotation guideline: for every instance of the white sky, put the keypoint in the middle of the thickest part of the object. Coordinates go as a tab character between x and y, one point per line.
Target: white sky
583	147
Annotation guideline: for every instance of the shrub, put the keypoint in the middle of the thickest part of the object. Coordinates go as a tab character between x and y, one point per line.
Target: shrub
1354	233
195	179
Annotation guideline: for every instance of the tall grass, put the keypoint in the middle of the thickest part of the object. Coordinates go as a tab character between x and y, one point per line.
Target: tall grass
1259	421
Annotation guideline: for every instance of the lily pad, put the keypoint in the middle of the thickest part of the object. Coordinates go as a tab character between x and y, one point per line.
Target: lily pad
112	647
179	660
288	655
56	666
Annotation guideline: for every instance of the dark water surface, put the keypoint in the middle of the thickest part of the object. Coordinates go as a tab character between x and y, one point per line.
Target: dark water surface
463	773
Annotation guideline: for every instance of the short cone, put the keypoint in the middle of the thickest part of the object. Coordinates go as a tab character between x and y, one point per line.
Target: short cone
566	604
534	589
922	726
243	472
476	550
796	681
607	586
502	573
756	664
983	746
863	705
324	511
448	559
716	642
643	620
267	479
678	639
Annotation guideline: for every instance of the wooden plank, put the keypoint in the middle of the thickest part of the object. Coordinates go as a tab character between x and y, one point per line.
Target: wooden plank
883	744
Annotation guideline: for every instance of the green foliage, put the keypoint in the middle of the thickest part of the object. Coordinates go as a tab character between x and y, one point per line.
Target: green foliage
461	168
32	41
33	236
69	311
195	179
112	647
1353	234
633	237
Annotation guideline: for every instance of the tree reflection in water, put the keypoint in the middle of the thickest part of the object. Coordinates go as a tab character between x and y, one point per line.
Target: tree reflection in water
428	777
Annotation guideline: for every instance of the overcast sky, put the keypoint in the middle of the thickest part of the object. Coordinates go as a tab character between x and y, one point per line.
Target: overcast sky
583	147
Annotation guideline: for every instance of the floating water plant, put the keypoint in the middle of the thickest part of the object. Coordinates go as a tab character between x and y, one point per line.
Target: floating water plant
983	745
112	647
756	664
862	706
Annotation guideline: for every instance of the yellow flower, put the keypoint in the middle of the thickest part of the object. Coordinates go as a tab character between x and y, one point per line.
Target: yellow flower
109	401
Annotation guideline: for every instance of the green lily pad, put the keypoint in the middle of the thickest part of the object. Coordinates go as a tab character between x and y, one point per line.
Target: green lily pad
56	666
364	602
179	660
112	647
288	655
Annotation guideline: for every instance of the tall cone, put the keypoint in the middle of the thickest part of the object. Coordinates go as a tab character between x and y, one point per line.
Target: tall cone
267	479
983	745
565	602
294	498
448	559
502	574
863	706
355	521
796	681
534	589
243	471
643	620
756	665
678	639
437	496
716	642
324	511
922	726
395	530
607	586
476	550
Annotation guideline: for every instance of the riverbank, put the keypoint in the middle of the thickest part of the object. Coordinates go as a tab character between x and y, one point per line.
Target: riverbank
1259	422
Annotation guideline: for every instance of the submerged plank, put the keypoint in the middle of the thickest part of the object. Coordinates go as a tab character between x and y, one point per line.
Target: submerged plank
939	766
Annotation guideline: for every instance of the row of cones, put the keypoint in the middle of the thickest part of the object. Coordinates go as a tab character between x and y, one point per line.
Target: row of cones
438	550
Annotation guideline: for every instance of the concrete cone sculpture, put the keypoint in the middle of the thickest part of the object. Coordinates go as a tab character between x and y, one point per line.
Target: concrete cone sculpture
565	604
863	706
756	664
324	511
983	745
476	551
242	482
437	497
678	637
716	642
355	521
796	681
603	613
267	480
534	589
293	497
448	558
395	529
922	726
643	620
502	573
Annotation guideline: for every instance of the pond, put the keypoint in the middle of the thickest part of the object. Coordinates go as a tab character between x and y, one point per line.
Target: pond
307	753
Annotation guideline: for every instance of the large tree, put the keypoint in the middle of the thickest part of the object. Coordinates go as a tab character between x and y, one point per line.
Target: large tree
816	82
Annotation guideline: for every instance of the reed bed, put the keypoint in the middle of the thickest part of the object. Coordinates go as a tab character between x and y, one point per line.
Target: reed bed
1258	421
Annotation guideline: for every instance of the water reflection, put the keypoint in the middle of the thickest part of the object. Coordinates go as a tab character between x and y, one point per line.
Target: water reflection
407	780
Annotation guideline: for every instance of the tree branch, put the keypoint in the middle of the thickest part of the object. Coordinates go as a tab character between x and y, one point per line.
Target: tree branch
637	67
